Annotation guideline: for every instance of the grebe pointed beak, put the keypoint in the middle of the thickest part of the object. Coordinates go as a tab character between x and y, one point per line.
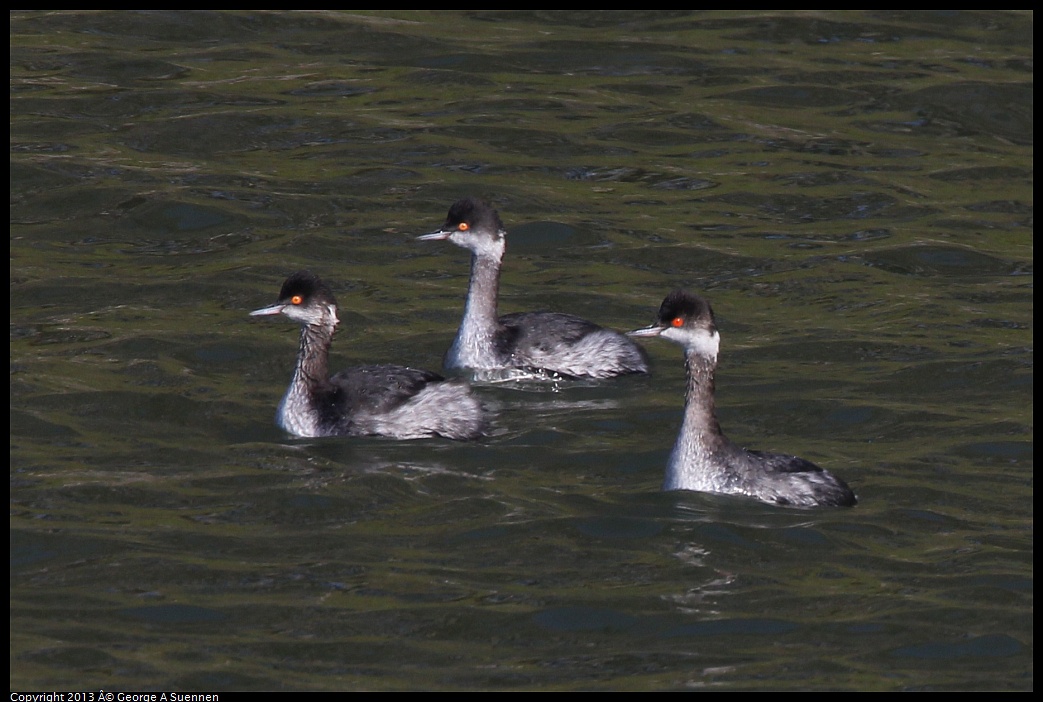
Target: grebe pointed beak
434	236
274	309
654	330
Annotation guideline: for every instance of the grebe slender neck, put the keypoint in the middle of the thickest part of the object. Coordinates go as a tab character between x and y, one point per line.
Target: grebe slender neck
305	299
310	373
475	342
700	435
475	226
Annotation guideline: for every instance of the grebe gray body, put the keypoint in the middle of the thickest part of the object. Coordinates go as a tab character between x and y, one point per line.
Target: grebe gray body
704	459
542	342
381	400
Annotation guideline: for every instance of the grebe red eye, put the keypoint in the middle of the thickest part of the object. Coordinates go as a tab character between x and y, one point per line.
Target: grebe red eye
297	299
677	322
463	226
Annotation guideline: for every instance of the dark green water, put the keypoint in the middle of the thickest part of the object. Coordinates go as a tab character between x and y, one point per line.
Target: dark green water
852	191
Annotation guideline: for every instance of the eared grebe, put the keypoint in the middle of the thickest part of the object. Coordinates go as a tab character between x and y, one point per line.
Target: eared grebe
703	458
539	342
382	400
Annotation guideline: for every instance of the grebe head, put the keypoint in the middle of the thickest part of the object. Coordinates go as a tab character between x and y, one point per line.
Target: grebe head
474	225
688	320
304	298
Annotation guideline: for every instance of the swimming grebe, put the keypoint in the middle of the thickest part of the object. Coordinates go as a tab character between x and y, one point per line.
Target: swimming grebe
381	400
541	342
703	458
